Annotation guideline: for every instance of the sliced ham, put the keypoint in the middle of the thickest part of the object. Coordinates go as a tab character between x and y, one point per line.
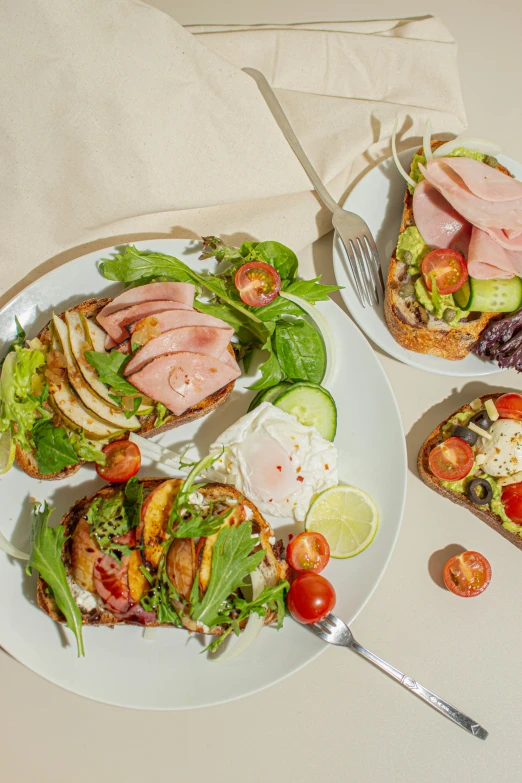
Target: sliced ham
172	319
511	240
152	292
487	259
439	224
196	339
181	380
485	181
478	211
115	324
227	358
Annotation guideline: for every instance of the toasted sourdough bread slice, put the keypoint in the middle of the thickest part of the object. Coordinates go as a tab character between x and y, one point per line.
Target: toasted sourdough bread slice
407	320
486	515
212	492
90	308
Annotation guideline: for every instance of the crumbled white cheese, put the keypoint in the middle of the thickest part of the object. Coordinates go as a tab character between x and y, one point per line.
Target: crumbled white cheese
85	600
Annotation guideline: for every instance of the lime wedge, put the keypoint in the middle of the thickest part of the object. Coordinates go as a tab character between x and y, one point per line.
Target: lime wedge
347	517
7	451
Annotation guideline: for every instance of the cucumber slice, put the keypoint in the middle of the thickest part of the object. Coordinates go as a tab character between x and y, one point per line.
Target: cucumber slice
268	395
490	296
311	405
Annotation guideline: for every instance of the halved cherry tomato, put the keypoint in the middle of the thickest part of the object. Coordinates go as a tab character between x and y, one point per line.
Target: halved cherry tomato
512	502
308	552
258	283
449	269
451	460
509	406
467	574
310	598
123	461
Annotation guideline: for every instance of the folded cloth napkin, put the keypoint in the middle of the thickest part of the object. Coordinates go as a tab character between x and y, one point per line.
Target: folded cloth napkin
116	123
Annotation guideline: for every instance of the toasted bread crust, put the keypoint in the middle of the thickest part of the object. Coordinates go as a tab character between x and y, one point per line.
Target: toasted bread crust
407	321
486	515
25	459
213	492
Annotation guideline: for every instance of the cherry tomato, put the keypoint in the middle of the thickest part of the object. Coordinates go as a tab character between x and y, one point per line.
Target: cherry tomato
123	461
258	283
467	574
509	406
112	583
451	460
310	598
308	552
448	267
512	502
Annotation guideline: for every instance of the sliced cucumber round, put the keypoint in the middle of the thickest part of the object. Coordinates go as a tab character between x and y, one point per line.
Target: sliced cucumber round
490	296
268	395
311	405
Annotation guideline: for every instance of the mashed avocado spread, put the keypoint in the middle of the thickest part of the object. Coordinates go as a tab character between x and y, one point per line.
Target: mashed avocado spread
495	504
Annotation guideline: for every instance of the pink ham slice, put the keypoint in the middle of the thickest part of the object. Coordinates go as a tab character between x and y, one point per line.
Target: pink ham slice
196	339
510	240
488	260
152	292
478	211
227	358
181	380
172	319
115	324
485	181
439	224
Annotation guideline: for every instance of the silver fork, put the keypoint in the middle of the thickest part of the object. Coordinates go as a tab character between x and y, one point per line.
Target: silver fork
356	237
333	630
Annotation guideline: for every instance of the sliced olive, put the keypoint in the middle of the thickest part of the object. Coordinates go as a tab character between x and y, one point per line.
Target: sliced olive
407	290
407	256
491	161
482	420
468	435
480	492
449	314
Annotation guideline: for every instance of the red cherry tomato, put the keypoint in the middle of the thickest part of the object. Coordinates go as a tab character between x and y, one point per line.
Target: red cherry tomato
308	552
310	598
449	269
512	502
258	283
467	574
112	583
123	461
451	460
509	406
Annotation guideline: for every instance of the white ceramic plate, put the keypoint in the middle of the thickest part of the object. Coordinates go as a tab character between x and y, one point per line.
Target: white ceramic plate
378	198
169	673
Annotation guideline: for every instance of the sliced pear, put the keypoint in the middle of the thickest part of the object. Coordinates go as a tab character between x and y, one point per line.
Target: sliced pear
72	410
108	413
95	336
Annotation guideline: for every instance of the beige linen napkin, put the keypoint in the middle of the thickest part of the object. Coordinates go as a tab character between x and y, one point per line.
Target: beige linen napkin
116	123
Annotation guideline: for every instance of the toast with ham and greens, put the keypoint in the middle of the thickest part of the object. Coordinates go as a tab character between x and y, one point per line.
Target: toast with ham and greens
157	552
139	363
406	306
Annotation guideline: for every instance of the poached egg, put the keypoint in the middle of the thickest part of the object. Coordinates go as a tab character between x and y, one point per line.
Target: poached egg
275	461
503	451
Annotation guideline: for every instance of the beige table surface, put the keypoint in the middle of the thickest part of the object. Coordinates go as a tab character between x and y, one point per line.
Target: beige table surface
339	719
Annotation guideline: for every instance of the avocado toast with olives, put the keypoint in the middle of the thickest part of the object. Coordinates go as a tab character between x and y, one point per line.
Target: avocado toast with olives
419	319
491	444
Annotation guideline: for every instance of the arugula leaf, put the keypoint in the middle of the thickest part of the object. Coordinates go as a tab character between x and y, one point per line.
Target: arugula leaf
54	450
114	516
162	414
19	340
214	247
279	256
109	367
232	561
133	501
159	599
312	290
198	526
46	556
300	351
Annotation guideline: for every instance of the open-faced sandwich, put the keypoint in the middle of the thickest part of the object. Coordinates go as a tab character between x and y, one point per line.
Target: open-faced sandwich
458	259
474	458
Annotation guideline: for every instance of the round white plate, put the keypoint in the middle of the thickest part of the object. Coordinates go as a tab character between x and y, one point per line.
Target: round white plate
378	198
122	668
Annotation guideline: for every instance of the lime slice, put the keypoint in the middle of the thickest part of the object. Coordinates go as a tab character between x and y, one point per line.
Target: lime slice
347	517
7	451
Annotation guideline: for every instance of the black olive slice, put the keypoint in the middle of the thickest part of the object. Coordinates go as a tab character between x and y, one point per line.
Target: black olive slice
482	420
464	434
480	492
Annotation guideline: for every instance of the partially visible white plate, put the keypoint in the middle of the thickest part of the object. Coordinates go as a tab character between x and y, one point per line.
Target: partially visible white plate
378	198
169	673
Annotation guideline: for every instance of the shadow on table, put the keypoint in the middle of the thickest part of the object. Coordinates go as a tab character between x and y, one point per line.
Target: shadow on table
439	559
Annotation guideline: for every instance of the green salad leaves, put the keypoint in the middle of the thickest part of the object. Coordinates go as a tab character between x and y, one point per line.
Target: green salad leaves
281	328
46	557
115	516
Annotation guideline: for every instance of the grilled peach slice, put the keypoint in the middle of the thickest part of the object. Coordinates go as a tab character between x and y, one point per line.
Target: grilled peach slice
154	518
138	584
84	554
236	517
181	565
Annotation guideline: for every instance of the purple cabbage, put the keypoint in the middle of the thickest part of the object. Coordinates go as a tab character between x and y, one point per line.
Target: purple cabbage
501	341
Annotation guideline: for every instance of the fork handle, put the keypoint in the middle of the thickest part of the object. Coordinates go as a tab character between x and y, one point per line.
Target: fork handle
423	693
282	120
